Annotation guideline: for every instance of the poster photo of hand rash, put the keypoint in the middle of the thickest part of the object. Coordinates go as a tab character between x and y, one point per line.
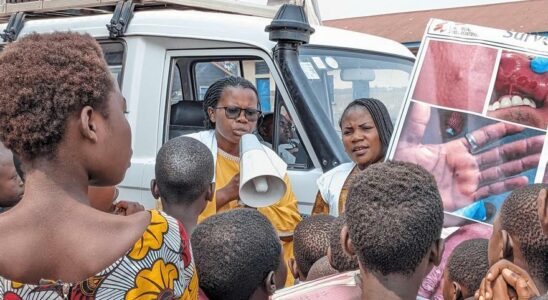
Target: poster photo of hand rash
476	165
478	151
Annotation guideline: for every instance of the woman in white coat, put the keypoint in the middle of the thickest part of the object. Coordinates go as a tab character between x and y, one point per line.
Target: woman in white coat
366	129
232	109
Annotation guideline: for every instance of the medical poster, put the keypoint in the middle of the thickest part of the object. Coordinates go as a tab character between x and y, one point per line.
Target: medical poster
475	115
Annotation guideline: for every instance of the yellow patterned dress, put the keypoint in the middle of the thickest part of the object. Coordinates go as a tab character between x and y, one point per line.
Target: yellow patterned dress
158	266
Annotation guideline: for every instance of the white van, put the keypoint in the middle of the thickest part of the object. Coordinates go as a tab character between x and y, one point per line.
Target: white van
167	57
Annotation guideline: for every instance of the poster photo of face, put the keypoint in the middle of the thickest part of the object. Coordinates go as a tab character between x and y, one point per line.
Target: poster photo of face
455	75
476	166
519	93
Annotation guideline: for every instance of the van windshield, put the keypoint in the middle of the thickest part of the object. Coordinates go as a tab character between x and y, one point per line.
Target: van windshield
340	76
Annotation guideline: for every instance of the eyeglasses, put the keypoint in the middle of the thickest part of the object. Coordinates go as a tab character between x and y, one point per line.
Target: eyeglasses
233	112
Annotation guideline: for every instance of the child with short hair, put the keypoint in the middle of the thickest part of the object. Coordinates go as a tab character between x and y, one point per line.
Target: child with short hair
338	259
394	218
465	269
518	235
237	255
310	243
184	174
321	268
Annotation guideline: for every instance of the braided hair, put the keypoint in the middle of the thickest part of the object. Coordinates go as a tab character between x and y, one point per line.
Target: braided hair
215	91
380	117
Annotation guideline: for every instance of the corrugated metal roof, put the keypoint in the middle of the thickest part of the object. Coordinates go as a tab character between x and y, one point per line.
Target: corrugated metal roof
521	16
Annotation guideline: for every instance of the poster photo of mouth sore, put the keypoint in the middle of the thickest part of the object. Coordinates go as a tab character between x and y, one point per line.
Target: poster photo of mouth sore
455	75
475	160
519	93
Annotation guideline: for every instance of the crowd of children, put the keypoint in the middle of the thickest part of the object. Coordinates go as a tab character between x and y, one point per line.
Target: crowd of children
385	224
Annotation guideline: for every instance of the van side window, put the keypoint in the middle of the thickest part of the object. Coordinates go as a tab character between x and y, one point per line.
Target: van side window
176	90
114	55
196	74
206	73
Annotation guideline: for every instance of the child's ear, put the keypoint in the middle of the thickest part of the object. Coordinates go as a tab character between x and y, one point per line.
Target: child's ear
270	283
457	291
346	241
542	202
154	189
436	251
88	124
507	249
293	268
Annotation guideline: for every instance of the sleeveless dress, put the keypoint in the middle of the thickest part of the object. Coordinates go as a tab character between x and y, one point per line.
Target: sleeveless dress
158	266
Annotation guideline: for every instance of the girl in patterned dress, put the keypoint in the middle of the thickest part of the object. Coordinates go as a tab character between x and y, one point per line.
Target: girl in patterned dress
62	114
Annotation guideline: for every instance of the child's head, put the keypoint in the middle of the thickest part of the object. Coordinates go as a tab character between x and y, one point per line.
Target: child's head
184	171
320	268
310	243
78	113
518	236
394	217
11	185
237	254
338	259
465	269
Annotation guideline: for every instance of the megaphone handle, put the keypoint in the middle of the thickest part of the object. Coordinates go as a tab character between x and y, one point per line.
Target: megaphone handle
261	185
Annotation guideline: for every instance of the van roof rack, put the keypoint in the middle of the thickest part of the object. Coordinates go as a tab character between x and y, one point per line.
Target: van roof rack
36	9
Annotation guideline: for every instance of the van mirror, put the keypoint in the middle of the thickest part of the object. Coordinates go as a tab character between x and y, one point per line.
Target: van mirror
357	75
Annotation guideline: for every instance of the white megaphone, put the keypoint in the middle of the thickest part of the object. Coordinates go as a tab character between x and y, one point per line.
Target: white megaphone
261	174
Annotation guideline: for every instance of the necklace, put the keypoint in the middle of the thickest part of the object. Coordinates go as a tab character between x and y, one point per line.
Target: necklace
228	155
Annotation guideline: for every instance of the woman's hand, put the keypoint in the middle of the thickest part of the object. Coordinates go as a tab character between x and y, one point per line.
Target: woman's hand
229	192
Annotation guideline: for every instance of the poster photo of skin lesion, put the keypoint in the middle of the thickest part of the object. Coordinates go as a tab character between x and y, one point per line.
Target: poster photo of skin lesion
455	75
520	93
478	151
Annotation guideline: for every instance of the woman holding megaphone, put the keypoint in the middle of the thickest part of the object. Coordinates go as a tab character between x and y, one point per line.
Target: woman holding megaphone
366	129
232	109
